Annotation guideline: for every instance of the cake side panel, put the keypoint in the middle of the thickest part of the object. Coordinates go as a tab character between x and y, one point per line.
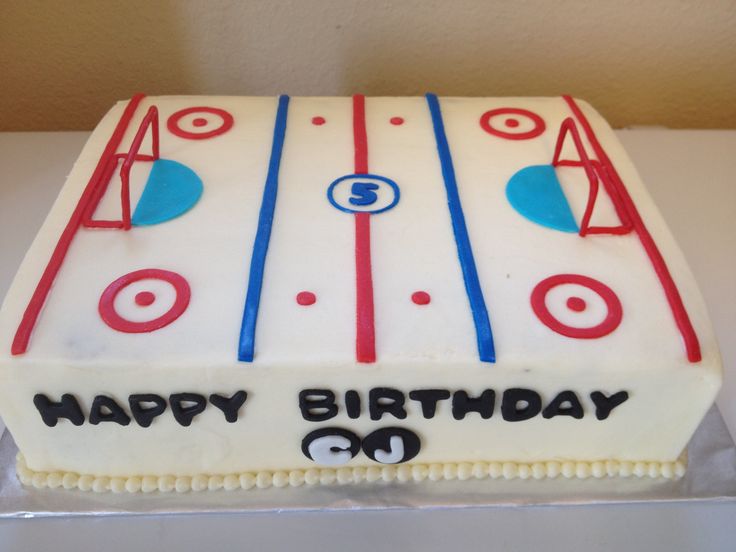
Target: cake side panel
653	423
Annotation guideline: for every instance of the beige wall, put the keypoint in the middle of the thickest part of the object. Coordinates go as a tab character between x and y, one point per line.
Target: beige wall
665	62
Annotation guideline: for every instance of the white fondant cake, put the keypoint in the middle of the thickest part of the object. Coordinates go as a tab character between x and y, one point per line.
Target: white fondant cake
236	292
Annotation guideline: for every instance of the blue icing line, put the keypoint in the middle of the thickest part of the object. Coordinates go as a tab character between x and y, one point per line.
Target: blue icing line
464	250
535	192
171	190
263	234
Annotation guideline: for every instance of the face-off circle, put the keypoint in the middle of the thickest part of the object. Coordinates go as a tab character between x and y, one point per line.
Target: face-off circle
614	311
117	322
208	126
512	123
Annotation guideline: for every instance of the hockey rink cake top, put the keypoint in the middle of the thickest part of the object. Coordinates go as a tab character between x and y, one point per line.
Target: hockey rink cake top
347	232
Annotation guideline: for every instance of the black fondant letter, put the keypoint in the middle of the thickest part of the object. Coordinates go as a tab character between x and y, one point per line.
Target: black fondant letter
51	411
604	405
106	409
185	414
317	405
385	400
429	398
483	405
229	405
510	409
556	408
144	415
352	404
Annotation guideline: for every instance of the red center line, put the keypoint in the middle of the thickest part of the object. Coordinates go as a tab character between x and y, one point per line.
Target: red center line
33	309
360	136
692	345
365	340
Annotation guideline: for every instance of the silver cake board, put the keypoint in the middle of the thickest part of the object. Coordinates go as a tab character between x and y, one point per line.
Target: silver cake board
711	476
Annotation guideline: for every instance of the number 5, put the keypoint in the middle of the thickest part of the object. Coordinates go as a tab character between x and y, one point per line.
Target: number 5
363	193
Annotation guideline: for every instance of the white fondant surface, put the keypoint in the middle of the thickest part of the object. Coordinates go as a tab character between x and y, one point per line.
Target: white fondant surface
312	248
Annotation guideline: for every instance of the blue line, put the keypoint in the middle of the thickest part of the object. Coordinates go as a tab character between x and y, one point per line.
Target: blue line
263	235
464	251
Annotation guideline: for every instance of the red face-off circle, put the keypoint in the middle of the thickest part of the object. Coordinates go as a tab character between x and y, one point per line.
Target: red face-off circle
613	306
111	317
497	122
174	123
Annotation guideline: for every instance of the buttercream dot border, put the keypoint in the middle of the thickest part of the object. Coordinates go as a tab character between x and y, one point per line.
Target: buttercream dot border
342	476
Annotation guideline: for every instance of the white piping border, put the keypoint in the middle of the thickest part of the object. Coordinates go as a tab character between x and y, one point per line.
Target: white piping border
341	476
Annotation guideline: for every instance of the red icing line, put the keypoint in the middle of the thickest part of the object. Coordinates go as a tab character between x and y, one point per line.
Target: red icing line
97	196
365	341
625	227
306	298
610	323
108	313
365	345
593	170
420	298
151	119
692	345
360	138
33	309
568	125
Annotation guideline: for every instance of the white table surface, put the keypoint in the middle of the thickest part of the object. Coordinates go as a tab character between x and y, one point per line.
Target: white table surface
692	176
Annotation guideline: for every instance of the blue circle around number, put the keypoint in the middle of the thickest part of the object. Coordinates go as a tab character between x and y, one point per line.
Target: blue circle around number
365	199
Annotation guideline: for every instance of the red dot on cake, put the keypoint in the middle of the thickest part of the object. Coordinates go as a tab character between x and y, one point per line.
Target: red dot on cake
576	304
511	122
420	297
318	121
306	298
144	298
397	120
199	121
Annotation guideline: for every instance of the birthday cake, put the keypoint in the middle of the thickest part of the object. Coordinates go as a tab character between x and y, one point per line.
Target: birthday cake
237	292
